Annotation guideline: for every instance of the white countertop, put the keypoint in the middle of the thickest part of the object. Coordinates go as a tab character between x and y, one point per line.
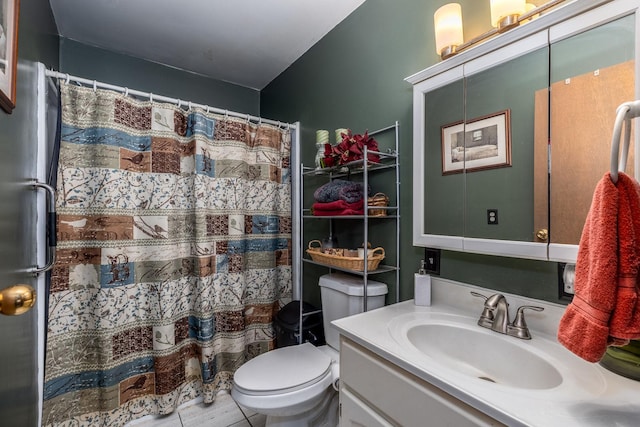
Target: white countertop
589	395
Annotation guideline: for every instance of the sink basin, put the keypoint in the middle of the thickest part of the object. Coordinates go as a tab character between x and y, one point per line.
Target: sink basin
453	349
483	354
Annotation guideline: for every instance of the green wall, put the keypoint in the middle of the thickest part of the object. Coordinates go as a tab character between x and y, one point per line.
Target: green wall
122	70
354	77
38	34
37	42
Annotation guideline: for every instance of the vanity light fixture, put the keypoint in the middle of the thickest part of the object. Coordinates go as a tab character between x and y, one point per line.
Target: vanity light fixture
505	14
448	26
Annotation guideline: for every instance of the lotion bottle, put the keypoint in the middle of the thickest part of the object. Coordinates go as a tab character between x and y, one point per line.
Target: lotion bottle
422	286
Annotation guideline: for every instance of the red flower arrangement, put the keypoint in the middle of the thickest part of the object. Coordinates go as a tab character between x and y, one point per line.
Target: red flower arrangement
350	149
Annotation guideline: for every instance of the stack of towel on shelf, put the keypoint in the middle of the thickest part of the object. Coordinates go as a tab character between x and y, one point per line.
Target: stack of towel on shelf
339	197
605	310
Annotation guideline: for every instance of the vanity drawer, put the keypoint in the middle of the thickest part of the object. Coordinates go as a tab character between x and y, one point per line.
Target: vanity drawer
399	396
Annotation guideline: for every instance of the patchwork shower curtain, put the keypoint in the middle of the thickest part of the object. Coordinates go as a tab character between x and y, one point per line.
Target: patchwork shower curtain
174	252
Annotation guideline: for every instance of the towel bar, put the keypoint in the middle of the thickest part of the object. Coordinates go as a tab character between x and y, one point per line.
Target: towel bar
624	113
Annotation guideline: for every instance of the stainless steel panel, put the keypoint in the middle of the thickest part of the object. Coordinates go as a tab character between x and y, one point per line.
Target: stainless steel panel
18	334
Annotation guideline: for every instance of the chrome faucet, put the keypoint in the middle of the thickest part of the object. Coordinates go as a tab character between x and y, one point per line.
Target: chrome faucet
497	304
495	316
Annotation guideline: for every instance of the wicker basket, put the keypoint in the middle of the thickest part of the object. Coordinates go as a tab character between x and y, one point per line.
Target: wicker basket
378	199
350	263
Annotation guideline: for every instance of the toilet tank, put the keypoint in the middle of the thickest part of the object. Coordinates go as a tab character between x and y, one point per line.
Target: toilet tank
342	296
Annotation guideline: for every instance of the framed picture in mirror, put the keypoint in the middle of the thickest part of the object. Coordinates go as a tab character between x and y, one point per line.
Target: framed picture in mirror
8	53
478	144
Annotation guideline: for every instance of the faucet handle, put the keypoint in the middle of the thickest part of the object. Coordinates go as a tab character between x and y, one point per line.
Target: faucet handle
486	318
479	295
519	320
519	327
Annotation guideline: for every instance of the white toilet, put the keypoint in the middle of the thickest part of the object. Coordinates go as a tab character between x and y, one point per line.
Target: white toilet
296	386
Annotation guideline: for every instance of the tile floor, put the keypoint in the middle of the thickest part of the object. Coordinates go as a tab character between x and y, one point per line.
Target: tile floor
224	412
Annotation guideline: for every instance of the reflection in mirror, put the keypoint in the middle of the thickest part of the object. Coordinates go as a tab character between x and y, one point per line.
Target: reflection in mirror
444	194
506	187
589	80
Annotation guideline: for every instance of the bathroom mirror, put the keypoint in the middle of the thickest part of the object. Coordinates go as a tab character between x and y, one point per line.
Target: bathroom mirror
445	104
589	80
505	191
535	195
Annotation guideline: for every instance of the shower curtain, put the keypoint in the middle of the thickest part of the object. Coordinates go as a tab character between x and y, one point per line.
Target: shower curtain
174	253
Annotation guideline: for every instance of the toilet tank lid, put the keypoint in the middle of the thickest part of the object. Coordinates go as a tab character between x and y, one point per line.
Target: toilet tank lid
352	285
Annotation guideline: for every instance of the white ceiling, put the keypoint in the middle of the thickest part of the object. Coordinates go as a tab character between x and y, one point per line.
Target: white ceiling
246	42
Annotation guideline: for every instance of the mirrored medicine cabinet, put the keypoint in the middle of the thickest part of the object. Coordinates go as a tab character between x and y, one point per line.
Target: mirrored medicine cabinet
511	137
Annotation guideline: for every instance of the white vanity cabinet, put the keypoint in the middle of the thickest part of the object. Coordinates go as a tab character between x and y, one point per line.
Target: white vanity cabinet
397	369
375	392
355	412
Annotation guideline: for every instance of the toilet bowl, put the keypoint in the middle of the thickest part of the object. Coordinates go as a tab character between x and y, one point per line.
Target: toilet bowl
296	386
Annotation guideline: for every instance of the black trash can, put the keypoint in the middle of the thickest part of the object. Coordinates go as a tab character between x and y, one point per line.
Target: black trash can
287	325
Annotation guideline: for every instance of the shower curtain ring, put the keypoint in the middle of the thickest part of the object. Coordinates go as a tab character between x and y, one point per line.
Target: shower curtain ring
189	106
179	103
208	109
95	86
126	92
150	97
67	80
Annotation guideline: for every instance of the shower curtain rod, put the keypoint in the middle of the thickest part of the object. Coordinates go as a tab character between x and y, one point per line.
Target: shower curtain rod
152	97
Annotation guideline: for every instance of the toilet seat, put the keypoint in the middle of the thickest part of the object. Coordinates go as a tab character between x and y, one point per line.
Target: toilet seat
285	381
284	370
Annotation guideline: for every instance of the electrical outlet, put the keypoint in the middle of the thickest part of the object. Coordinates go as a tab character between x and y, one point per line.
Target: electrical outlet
492	216
568	288
432	260
566	277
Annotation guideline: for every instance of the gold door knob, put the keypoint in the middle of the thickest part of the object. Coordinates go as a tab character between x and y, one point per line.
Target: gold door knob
17	299
543	234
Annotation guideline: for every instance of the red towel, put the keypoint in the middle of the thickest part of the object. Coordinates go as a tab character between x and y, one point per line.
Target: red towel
339	207
342	212
606	306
